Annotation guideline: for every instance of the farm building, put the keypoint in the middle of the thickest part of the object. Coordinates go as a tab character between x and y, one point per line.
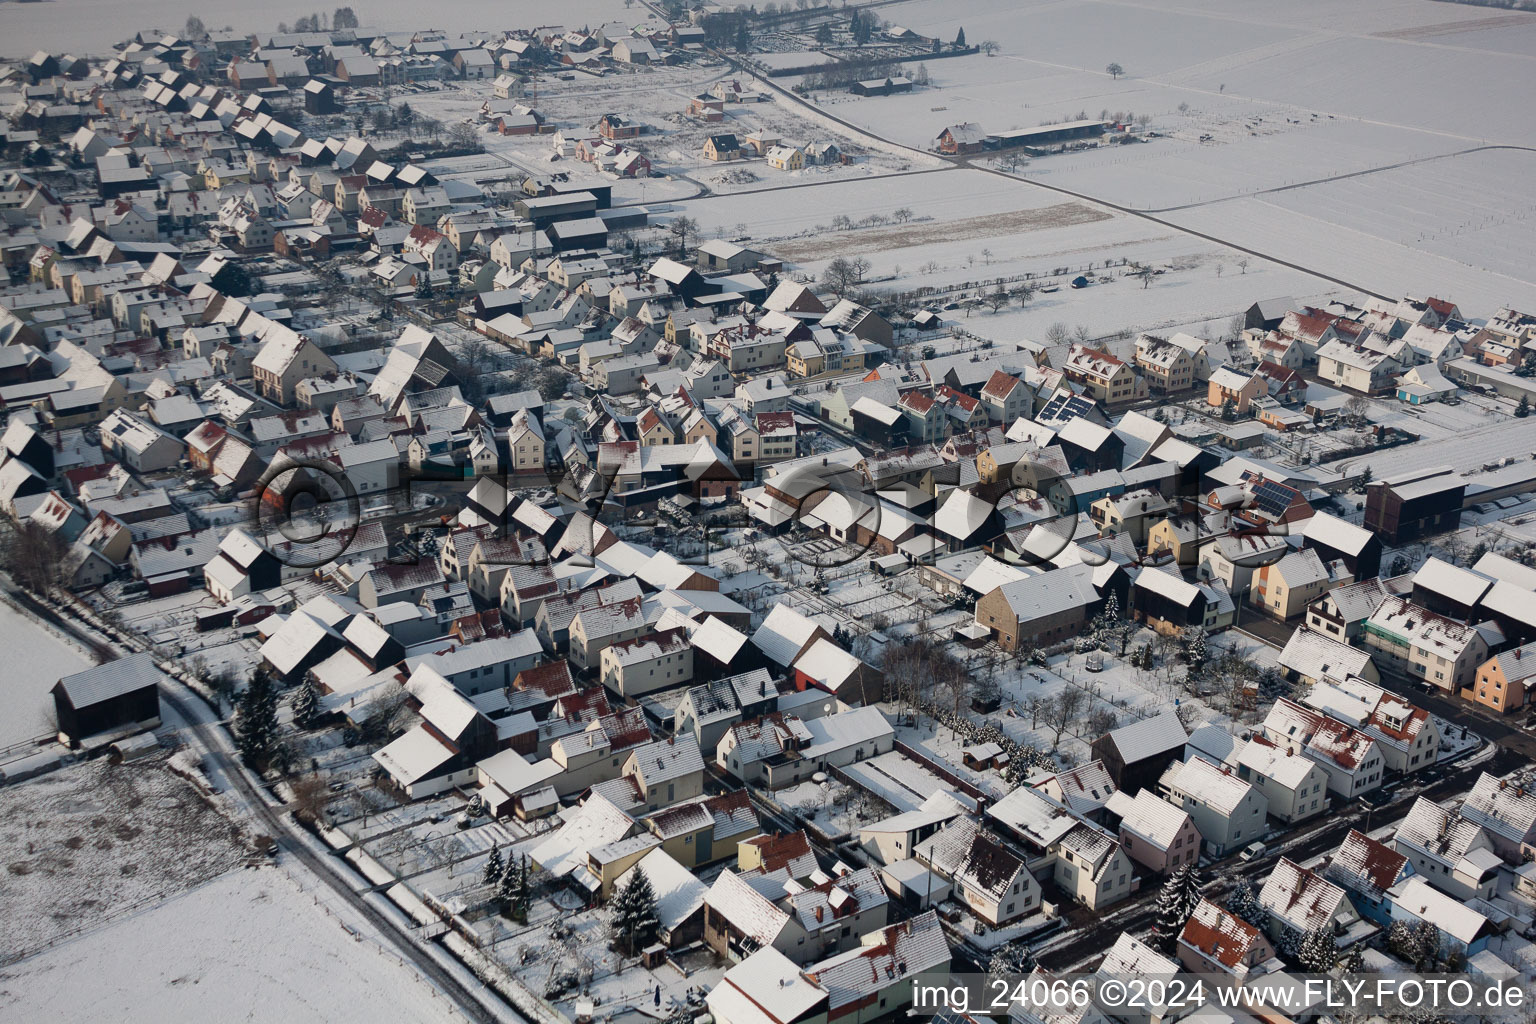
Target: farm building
110	696
881	86
1046	134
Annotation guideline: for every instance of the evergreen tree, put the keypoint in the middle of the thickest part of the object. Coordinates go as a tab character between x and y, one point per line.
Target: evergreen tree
960	38
1319	952
1229	410
634	912
507	886
256	719
1176	900
304	703
520	899
475	808
1195	648
1354	961
1244	902
493	867
1524	408
1426	945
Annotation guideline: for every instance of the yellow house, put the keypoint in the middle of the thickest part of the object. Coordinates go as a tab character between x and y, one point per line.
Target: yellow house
1285	588
1178	535
786	158
704	831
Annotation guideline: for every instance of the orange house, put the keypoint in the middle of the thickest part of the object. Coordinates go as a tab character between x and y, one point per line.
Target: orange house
1501	682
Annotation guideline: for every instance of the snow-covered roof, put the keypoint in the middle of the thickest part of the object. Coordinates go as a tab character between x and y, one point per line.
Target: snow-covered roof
1148	817
110	679
765	988
679	894
1459	919
596	822
1220	935
783	633
894	952
1503	808
1266	759
1303	900
414	756
1216	787
1312	655
1149	737
1366	866
746	909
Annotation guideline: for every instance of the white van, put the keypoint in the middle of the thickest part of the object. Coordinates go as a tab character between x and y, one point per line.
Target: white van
1253	851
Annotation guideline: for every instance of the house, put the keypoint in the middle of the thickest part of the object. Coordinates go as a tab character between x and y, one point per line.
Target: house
989	879
1368	870
896	838
647	663
285	359
1456	852
1285	588
655	775
1504	682
1300	901
139	445
1507	811
1228	812
1131	513
1463	926
118	695
704	831
779	749
1309	657
887	86
1367	367
441	753
1229	384
1423	384
1407	736
1295	787
1422	645
1335	539
722	147
679	896
1154	833
960	139
1104	377
877	979
786	158
1167	368
1086	861
1351	759
1041	609
765	986
1215	940
1134	755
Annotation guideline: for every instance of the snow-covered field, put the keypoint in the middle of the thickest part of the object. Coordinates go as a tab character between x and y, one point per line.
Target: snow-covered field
1246	98
91	26
96	841
35	659
248	945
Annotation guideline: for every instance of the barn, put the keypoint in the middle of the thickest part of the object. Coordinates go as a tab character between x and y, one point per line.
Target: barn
120	693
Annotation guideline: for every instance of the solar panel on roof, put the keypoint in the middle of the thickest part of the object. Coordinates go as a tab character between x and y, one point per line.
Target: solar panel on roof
1272	498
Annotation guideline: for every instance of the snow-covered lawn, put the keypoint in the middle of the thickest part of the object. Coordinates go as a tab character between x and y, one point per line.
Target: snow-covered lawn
248	945
96	841
35	659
